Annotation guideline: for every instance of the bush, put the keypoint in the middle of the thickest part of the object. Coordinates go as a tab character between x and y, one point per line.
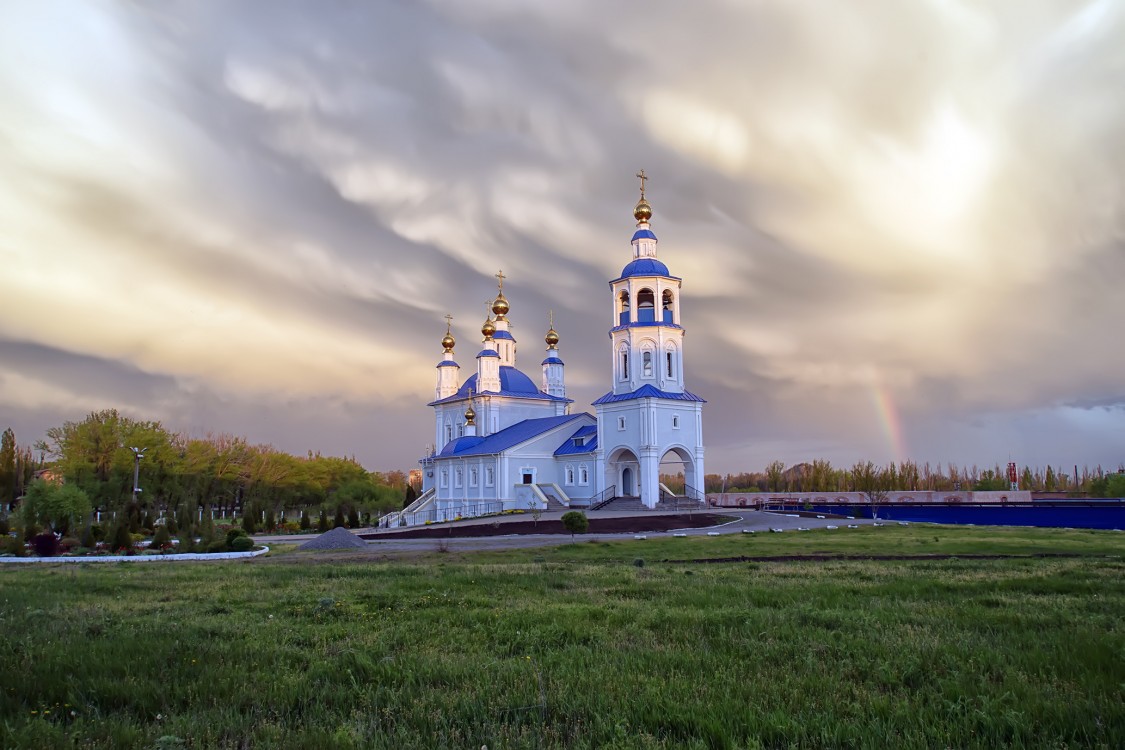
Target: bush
88	539
322	522
248	523
271	520
241	544
306	524
121	540
68	543
162	539
639	562
13	545
45	544
219	545
4	527
353	518
291	527
575	522
233	534
339	520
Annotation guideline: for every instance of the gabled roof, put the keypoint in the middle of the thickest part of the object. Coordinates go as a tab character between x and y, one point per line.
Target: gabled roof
648	391
509	437
589	434
503	335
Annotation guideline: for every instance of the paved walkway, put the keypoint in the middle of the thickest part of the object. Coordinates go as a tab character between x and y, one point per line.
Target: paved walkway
757	521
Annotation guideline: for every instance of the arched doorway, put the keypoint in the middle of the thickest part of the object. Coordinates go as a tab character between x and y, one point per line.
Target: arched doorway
623	470
678	474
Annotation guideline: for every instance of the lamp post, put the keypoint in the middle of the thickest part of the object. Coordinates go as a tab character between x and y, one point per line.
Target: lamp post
138	454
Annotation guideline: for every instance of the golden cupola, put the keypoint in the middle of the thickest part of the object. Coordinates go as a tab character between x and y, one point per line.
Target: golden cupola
500	304
488	328
552	338
447	341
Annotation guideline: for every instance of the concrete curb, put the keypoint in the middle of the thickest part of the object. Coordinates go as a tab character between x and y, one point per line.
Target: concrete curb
184	557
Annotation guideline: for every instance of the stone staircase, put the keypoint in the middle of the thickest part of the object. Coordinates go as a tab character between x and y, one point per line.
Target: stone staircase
553	501
625	504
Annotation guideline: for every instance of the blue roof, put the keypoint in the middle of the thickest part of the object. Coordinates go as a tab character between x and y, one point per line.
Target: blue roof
460	444
643	234
487	353
552	360
512	383
447	363
639	324
503	335
648	391
644	267
569	448
507	438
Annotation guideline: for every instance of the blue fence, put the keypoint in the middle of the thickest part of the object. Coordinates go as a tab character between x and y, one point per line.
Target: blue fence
1104	515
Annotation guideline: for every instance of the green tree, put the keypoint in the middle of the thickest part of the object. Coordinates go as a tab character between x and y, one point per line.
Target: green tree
873	482
339	520
575	522
1115	485
774	472
8	474
58	506
306	524
322	521
409	497
1051	482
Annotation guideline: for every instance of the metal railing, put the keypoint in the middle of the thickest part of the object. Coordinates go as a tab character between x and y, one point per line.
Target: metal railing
440	515
603	498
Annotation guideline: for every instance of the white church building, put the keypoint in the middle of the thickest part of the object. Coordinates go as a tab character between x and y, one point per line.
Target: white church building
503	441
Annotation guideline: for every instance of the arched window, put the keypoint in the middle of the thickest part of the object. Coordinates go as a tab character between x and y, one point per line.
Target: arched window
570	475
646	364
448	432
646	306
583	475
666	306
624	363
623	308
670	361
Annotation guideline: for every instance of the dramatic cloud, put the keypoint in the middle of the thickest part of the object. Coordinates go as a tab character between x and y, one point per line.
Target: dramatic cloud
901	226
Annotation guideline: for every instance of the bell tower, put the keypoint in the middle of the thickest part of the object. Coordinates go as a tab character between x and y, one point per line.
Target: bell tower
648	413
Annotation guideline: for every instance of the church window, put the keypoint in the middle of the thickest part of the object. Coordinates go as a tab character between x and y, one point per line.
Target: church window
583	475
445	477
624	364
461	429
570	475
646	306
473	477
458	477
666	306
621	423
646	359
489	477
675	421
668	357
448	432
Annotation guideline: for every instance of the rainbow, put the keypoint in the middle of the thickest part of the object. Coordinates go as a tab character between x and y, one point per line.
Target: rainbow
889	421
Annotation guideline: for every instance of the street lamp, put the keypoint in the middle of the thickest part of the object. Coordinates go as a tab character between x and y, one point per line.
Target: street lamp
138	454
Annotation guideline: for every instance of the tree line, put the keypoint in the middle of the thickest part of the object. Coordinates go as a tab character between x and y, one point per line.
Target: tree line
182	475
822	476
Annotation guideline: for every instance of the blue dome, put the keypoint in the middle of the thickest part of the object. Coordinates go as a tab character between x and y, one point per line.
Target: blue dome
643	234
512	381
645	267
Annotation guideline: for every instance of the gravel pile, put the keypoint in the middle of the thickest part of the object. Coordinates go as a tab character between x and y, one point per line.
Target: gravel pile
337	538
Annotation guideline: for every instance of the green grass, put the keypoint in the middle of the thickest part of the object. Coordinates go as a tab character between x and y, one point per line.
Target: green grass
583	649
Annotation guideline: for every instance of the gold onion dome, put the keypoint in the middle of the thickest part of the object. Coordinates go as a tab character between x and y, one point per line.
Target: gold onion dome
552	338
487	329
500	306
643	211
470	415
448	341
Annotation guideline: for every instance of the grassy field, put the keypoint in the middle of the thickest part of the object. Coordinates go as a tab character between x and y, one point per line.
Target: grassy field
582	646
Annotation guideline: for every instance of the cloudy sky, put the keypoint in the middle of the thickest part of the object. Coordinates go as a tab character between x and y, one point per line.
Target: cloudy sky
900	223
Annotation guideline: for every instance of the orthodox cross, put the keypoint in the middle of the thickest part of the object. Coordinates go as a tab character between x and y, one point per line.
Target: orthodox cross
551	318
500	277
643	177
448	322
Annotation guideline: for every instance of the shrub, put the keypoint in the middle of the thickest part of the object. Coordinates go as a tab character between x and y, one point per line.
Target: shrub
88	539
29	531
339	520
4	527
233	534
291	527
306	524
575	522
45	544
353	518
162	539
120	539
248	524
13	545
271	520
639	562
68	543
241	544
322	522
219	545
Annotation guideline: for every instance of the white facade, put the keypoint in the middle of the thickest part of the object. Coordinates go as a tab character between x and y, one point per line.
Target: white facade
501	441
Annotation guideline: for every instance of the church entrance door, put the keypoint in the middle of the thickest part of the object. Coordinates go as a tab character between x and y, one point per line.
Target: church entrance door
627	482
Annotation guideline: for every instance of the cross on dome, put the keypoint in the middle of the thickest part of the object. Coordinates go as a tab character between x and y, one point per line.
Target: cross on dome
643	177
